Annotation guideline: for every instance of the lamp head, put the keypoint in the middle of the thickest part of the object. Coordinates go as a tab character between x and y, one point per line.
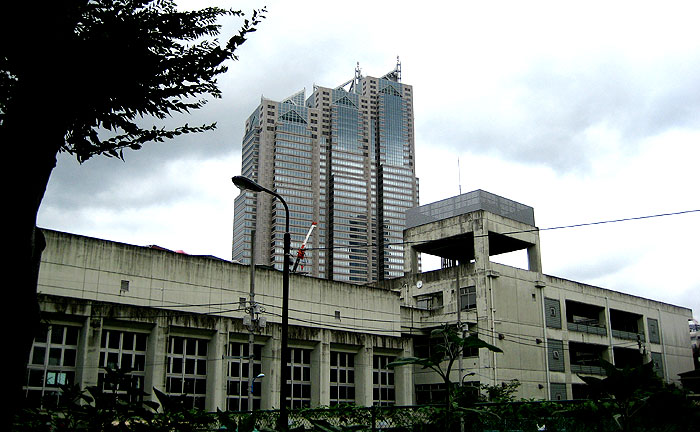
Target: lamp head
244	183
260	375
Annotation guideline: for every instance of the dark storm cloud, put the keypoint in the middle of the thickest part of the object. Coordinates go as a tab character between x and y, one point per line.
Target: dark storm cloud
104	183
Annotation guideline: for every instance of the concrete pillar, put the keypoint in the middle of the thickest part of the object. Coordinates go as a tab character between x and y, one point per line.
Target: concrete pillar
321	371
91	336
363	374
156	357
411	264
481	242
403	378
534	258
270	396
216	371
608	328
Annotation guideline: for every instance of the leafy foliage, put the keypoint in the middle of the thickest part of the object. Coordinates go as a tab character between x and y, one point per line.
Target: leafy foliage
501	393
123	61
446	353
634	396
442	359
93	77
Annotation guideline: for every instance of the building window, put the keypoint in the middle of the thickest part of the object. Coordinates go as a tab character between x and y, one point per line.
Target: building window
299	378
429	301
467	297
51	364
342	378
654	336
383	381
430	393
238	375
470	351
186	373
122	350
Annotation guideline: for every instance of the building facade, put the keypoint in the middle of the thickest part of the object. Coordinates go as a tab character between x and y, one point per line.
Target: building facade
342	159
189	326
551	330
180	323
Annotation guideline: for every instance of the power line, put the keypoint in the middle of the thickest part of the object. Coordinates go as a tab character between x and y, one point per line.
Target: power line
621	220
526	340
560	227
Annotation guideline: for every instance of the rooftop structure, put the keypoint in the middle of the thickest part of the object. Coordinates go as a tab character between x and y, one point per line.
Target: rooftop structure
467	203
452	228
551	330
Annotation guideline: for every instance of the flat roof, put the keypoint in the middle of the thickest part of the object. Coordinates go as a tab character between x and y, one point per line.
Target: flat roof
467	203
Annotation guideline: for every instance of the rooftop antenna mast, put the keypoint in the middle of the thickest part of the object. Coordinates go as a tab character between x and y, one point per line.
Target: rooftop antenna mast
398	69
355	86
459	177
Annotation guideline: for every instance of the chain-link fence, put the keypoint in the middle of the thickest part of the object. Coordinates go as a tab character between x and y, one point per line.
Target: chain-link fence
564	416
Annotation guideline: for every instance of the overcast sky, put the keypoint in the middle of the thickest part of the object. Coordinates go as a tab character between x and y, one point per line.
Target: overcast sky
587	111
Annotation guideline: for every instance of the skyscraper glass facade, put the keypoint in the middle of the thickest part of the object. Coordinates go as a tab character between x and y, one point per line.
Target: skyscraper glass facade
343	159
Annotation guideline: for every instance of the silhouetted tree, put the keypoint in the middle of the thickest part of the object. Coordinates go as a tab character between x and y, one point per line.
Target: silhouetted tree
84	77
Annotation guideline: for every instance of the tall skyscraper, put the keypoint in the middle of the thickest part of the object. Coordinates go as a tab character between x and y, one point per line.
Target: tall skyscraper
344	159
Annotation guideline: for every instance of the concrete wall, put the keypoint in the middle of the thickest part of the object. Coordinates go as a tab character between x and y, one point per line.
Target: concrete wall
81	283
86	268
509	314
510	310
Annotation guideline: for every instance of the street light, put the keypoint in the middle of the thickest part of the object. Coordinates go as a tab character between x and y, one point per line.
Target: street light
253	383
244	183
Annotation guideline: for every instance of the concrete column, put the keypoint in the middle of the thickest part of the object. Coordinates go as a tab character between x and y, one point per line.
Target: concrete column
403	378
567	360
321	371
534	257
410	260
363	374
481	242
156	358
608	328
216	371
91	336
270	391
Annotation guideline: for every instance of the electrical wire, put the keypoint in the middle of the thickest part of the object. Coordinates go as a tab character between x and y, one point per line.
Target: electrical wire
535	229
521	339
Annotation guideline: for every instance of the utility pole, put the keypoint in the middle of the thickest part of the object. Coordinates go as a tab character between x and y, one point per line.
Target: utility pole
459	320
253	322
251	334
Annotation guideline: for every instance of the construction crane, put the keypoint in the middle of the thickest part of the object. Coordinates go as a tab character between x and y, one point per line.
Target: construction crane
302	249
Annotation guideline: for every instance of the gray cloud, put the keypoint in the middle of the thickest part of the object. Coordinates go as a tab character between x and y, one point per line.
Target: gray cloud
485	84
547	113
594	267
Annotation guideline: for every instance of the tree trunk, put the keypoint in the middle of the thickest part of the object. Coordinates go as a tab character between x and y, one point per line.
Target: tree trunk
32	131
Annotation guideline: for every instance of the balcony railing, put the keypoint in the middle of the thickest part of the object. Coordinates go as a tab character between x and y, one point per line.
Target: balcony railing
622	334
587	328
587	369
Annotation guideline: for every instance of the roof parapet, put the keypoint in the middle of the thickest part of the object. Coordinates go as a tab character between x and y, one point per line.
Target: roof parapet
467	203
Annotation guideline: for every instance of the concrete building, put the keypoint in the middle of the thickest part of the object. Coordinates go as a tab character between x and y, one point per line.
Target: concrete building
344	159
178	321
181	322
550	329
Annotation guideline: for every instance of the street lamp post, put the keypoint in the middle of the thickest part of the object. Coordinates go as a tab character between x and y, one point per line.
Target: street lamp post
244	183
252	383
